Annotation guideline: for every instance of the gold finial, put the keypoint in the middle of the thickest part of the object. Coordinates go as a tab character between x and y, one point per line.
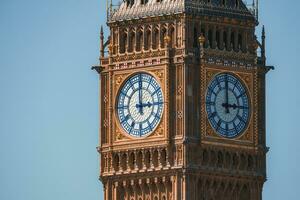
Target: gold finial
167	40
201	39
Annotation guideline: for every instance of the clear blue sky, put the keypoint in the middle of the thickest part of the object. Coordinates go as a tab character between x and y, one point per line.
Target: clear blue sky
49	99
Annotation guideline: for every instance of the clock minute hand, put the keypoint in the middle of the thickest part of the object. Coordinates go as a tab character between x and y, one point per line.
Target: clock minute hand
226	95
140	96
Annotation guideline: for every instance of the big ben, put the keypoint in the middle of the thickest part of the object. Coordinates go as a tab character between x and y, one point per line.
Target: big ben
182	101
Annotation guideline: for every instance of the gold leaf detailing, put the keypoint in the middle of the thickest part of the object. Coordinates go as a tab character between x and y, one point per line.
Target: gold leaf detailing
119	80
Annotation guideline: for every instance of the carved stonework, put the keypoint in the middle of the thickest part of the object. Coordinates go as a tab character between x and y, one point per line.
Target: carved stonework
183	45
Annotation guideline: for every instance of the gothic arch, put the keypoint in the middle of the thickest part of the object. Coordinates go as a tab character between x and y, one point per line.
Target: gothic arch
245	194
163	34
147	43
172	35
139	39
155	43
131	44
124	161
131	161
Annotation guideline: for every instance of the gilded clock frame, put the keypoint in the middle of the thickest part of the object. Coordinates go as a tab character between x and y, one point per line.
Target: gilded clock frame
209	134
118	79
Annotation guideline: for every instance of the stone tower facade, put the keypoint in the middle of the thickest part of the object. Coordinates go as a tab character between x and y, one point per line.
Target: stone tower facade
199	133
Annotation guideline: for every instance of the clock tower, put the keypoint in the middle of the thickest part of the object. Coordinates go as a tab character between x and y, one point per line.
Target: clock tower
182	101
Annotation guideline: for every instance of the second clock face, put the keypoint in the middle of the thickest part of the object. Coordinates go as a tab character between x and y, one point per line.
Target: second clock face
140	104
227	105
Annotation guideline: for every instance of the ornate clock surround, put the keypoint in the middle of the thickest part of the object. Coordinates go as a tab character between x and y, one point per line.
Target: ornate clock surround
209	135
119	77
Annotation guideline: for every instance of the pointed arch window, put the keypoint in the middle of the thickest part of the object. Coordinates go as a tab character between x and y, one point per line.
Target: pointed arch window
148	39
225	40
172	36
195	42
156	39
123	42
210	40
131	42
218	39
240	42
139	40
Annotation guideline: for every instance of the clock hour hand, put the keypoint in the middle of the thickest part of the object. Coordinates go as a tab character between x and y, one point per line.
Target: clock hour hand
142	105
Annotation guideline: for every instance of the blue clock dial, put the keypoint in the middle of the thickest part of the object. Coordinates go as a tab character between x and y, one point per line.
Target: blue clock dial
227	105
140	105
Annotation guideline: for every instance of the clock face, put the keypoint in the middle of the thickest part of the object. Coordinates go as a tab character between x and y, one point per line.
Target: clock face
140	105
227	105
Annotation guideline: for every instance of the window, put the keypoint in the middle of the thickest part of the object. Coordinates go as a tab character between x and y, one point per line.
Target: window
148	40
156	39
139	40
195	42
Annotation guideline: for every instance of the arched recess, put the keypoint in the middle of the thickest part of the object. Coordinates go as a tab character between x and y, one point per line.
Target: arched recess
250	163
220	191
195	36
218	39
123	41
172	36
116	162
232	39
130	192
138	191
225	40
199	192
124	162
155	158
131	44
243	162
245	193
155	43
227	160
220	160
131	161
235	161
163	34
240	42
205	157
139	39
147	159
147	39
163	157
213	158
139	160
210	38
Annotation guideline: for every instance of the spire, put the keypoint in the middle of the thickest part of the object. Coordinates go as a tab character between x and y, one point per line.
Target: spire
256	9
263	45
101	42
